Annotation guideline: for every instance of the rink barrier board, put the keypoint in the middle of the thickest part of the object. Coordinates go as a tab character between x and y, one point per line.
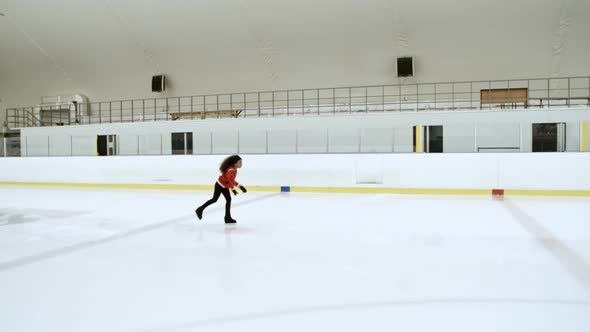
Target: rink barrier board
344	190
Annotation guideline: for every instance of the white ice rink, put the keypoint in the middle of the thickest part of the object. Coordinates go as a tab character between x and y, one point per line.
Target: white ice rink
98	260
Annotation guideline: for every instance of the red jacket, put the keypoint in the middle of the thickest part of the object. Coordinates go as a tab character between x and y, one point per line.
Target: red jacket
228	178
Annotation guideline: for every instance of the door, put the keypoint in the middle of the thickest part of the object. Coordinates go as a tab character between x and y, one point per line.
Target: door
106	145
428	139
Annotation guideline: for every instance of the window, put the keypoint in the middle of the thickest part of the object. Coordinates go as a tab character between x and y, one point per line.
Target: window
10	144
548	137
435	139
182	143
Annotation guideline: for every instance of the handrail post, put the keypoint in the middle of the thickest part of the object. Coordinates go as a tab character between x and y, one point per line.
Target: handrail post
548	93
400	96
568	91
471	95
167	108
318	99
303	102
435	96
334	101
273	104
417	98
366	100
453	96
383	97
349	100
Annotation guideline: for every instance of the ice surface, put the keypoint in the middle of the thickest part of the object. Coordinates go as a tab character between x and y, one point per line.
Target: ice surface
100	260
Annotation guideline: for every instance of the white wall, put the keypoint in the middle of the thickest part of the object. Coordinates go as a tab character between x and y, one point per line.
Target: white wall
566	171
459	137
378	132
109	50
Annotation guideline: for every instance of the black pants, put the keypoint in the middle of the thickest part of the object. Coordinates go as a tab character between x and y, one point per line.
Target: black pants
218	191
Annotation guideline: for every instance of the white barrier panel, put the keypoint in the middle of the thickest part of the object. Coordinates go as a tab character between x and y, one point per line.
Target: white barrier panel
563	171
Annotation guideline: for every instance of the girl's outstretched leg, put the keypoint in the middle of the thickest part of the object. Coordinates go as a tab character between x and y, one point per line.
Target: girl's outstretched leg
216	194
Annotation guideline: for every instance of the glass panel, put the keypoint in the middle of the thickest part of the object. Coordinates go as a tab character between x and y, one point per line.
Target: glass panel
545	137
177	143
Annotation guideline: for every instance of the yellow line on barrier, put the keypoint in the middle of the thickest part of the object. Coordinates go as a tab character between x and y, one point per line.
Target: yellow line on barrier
163	186
109	185
534	192
343	190
408	191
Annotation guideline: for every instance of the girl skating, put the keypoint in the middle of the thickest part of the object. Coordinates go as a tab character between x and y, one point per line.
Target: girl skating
225	183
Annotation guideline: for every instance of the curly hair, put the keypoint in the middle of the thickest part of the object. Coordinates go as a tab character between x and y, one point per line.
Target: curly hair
229	161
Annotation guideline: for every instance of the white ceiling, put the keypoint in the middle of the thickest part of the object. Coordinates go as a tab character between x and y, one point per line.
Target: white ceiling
109	49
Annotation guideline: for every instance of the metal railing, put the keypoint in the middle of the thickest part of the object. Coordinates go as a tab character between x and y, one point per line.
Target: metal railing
22	118
541	92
